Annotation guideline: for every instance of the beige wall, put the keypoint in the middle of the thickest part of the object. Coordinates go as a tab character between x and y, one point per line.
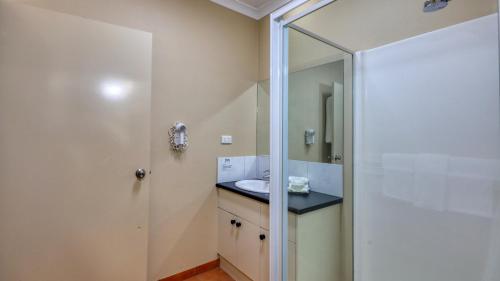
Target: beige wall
264	48
264	88
205	66
263	117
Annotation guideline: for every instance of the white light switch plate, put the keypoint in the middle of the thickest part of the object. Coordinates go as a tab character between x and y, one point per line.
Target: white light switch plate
226	139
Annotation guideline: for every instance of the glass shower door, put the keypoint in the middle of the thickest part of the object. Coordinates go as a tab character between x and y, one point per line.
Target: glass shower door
317	95
427	137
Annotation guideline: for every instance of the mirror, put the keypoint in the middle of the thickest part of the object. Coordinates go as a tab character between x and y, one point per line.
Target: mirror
263	117
315	100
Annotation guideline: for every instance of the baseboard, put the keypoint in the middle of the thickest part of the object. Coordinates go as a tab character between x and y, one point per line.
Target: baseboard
193	271
232	271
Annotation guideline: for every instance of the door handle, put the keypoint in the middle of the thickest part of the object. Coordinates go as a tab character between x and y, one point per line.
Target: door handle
140	174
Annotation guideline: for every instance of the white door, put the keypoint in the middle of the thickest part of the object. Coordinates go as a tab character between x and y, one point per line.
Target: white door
74	127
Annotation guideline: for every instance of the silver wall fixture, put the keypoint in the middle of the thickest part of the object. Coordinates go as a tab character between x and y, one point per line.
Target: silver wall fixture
309	136
434	5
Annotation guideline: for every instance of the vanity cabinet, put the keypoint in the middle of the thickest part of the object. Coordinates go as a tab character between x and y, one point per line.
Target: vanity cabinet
243	240
240	240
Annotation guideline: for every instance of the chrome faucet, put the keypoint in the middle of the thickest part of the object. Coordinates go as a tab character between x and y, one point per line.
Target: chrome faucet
266	175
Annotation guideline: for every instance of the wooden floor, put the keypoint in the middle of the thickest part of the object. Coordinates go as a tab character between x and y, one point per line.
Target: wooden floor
211	275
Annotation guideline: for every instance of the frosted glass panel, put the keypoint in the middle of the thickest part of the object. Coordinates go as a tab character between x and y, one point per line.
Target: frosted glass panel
428	152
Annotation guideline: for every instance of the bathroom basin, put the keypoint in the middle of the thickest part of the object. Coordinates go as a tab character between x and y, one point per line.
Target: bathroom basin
259	186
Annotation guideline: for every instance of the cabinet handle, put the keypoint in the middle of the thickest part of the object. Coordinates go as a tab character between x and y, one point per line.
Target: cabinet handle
238	224
233	221
262	236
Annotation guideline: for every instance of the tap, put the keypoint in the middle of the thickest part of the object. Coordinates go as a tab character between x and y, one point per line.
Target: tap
266	175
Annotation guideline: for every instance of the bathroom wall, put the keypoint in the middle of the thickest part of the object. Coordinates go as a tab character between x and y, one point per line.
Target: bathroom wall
264	48
427	187
205	68
263	117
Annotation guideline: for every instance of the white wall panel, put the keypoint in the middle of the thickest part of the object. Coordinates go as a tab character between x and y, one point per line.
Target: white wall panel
427	188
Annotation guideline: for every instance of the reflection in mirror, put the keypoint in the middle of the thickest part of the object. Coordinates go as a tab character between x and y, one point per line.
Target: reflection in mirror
263	117
315	100
318	97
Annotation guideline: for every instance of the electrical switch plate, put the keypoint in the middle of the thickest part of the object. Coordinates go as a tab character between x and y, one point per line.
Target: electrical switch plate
226	139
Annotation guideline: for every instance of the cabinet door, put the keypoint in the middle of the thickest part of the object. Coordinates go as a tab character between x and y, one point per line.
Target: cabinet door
248	249
227	236
264	256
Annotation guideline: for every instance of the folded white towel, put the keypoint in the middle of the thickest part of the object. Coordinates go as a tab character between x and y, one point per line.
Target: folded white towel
298	184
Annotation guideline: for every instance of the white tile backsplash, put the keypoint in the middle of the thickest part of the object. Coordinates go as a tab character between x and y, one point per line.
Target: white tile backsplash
250	167
263	162
323	177
326	178
236	168
297	168
230	169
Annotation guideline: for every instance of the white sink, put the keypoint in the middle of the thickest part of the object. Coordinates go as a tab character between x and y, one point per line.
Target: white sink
259	186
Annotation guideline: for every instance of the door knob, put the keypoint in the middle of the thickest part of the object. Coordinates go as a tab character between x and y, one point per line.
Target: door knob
262	236
140	174
233	221
238	224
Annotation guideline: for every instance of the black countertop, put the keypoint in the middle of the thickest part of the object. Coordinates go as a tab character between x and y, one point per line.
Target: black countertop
297	203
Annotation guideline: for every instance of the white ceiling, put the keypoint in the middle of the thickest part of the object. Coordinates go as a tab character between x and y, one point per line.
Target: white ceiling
253	8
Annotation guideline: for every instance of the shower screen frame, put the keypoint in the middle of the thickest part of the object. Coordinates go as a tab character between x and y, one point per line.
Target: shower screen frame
279	23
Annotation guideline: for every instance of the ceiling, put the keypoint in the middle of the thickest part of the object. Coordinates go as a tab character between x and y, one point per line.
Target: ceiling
253	8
